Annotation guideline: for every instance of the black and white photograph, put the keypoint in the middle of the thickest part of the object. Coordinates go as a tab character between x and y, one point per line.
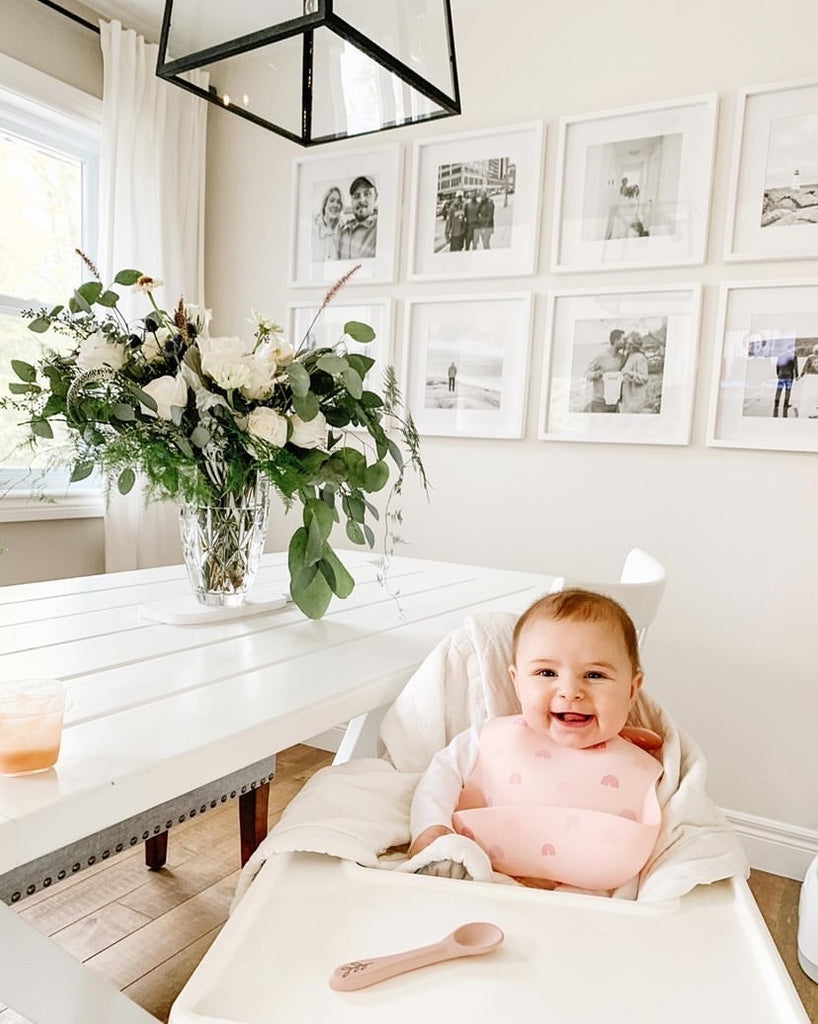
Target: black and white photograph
465	365
620	365
474	206
633	186
773	203
765	378
791	178
345	213
475	203
345	225
781	378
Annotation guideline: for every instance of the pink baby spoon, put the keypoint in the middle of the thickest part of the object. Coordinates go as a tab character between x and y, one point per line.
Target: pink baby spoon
468	940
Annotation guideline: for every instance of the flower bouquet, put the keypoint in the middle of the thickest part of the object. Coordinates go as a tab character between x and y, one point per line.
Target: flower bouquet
213	423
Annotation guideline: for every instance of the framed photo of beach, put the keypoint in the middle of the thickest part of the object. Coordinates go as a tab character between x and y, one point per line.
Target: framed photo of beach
765	377
345	212
620	365
475	203
466	364
307	332
774	182
633	186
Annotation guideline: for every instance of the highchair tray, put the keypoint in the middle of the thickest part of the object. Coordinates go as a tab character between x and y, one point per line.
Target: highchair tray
566	957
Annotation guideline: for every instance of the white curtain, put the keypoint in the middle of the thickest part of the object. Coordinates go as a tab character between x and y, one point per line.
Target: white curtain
152	192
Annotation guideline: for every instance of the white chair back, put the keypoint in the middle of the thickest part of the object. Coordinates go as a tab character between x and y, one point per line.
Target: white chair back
639	588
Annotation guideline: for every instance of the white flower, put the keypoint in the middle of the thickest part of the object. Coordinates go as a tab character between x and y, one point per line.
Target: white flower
309	435
153	345
262	371
198	316
226	361
268	425
146	284
98	350
166	392
263	324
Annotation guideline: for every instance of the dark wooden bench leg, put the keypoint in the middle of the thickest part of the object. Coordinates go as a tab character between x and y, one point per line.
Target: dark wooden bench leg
156	851
253	819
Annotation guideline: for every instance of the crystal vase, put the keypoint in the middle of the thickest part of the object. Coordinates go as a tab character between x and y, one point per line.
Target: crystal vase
222	543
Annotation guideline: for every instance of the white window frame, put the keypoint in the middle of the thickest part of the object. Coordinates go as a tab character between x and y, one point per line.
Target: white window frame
57	115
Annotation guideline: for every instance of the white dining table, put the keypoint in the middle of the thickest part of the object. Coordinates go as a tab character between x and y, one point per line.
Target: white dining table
166	721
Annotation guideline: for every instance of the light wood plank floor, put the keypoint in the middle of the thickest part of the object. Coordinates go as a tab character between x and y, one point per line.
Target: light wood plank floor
147	931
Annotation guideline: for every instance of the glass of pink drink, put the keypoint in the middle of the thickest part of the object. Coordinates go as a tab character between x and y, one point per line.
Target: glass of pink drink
31	717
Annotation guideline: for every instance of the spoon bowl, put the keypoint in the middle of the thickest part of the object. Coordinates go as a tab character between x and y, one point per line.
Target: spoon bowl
472	939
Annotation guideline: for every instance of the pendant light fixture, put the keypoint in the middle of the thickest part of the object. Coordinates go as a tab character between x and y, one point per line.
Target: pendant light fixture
315	70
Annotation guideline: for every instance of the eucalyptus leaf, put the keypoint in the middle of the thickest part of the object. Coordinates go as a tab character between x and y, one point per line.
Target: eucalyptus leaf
352	382
376	476
200	436
42	428
81	471
370	536
316	542
25	371
299	380
39	325
318	511
336	574
355	533
81	302
359	332
123	412
108	298
332	364
306	406
311	596
125	481
90	291
127	277
16	388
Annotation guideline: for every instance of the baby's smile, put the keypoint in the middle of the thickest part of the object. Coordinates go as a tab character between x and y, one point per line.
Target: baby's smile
572	718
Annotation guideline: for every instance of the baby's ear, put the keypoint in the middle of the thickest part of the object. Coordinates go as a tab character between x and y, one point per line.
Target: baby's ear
512	673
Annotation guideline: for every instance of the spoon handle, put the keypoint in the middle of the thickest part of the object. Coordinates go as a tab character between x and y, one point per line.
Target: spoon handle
361	973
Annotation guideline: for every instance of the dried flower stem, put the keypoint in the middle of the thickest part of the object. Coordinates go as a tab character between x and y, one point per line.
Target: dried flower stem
333	291
88	263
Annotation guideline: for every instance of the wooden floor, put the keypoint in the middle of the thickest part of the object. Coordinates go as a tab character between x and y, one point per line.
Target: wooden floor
147	931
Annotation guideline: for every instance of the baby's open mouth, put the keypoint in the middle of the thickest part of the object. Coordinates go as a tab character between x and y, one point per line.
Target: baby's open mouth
572	718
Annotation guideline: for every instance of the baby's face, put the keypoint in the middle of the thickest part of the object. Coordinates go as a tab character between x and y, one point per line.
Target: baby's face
574	680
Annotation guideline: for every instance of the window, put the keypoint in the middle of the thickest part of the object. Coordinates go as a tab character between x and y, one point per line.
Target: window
49	157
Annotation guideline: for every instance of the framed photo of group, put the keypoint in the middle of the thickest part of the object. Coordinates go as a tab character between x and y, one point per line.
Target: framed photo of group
475	203
774	184
345	211
765	378
466	364
620	365
633	186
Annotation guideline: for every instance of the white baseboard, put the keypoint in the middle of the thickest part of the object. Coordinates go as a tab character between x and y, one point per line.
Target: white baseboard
775	846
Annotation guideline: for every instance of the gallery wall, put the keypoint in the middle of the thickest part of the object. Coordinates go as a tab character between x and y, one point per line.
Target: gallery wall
731	654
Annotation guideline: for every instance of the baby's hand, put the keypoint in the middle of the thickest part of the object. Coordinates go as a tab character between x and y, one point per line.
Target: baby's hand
445	869
428	836
647	739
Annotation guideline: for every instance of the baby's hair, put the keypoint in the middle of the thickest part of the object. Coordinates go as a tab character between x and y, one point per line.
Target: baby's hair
581	606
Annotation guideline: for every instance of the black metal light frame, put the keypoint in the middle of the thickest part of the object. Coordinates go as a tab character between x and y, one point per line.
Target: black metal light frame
305	25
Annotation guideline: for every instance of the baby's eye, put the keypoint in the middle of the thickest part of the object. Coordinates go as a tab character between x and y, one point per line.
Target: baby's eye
595	675
547	673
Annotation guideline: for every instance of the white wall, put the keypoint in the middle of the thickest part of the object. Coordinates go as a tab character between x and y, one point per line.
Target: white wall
733	653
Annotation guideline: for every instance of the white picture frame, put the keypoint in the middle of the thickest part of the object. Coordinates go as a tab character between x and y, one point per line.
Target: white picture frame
487	339
328	329
505	164
327	242
633	186
773	204
620	364
762	326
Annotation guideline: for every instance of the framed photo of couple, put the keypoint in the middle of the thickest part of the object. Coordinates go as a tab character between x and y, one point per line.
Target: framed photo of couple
476	204
765	377
620	365
345	211
774	184
466	364
633	186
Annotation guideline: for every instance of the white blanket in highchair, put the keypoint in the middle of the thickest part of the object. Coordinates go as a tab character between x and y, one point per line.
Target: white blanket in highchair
588	818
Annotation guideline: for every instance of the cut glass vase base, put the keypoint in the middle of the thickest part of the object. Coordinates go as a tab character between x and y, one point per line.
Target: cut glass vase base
187	611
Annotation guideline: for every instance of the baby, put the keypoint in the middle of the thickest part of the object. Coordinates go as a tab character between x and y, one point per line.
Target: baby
555	794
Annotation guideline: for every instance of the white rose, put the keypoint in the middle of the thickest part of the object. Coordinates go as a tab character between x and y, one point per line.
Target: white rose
153	345
198	316
226	361
165	391
309	435
268	425
260	384
97	350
